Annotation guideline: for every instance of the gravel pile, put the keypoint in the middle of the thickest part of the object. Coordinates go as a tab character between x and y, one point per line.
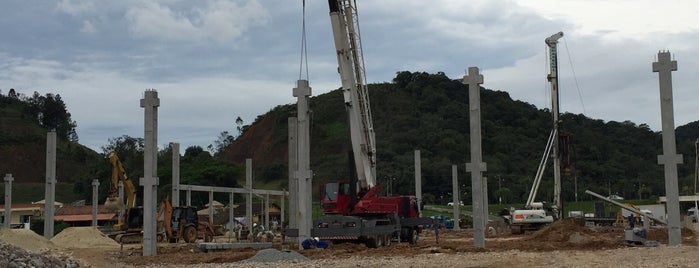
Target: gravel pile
12	256
273	255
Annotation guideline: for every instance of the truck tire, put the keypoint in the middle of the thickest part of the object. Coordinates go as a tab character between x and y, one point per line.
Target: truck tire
387	240
190	234
372	241
413	237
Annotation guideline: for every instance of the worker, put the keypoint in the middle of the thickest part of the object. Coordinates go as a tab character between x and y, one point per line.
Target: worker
314	242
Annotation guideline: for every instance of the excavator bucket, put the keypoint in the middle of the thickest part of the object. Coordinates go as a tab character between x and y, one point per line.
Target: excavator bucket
114	203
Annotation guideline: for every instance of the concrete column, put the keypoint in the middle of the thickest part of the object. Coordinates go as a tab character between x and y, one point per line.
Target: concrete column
281	218
150	103
175	173
477	166
418	180
304	173
121	212
267	212
50	196
669	159
211	205
485	201
231	211
8	201
188	196
95	202
248	187
456	197
293	181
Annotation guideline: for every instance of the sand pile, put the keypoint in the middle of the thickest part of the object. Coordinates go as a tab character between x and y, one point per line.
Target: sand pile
26	239
83	237
561	231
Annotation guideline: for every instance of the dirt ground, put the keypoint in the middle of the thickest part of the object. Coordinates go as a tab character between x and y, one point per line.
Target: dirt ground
563	244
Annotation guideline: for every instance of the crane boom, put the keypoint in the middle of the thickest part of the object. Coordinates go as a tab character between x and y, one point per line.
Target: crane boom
345	25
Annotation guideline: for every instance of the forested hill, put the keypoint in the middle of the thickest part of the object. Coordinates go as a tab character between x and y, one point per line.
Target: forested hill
24	123
429	112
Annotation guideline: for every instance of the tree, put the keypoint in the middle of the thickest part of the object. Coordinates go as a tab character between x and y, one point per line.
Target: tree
220	144
239	123
51	112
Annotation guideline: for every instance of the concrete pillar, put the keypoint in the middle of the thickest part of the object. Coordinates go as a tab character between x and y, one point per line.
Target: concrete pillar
293	181
477	166
267	212
669	159
281	218
485	201
231	211
304	173
188	196
211	205
456	197
95	202
150	103
8	201
50	196
248	196
418	180
121	212
175	173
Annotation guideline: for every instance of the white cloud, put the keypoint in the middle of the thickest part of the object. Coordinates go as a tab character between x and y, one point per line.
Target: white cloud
88	28
75	7
220	20
635	19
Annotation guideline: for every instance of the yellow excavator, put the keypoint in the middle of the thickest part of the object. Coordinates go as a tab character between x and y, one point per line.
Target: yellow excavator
114	201
129	225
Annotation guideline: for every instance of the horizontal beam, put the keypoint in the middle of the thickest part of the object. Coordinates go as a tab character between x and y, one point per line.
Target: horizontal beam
218	189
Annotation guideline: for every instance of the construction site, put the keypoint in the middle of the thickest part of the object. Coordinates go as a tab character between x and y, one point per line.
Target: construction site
360	226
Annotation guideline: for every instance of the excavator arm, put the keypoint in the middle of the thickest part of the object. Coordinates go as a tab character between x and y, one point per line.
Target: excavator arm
165	214
114	201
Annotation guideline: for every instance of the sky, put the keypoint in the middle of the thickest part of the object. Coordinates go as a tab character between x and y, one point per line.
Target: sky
213	61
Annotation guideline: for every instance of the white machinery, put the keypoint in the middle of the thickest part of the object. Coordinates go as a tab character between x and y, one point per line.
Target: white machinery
536	214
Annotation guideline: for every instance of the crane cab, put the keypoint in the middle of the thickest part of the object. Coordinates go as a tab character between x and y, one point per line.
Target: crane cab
337	197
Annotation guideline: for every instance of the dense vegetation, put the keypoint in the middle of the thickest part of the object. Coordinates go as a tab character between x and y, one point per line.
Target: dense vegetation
24	122
430	113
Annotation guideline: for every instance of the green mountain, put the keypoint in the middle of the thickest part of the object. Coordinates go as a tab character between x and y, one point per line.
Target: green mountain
429	112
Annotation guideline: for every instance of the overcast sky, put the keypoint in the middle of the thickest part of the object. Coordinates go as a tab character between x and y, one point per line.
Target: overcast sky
212	61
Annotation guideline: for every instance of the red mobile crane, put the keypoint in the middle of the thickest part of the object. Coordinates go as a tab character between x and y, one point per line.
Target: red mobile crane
354	210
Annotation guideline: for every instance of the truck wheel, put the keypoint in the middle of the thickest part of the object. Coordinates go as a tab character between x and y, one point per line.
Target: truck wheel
371	242
190	234
387	240
413	237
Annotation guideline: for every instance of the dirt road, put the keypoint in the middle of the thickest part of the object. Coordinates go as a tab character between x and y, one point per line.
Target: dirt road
563	244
